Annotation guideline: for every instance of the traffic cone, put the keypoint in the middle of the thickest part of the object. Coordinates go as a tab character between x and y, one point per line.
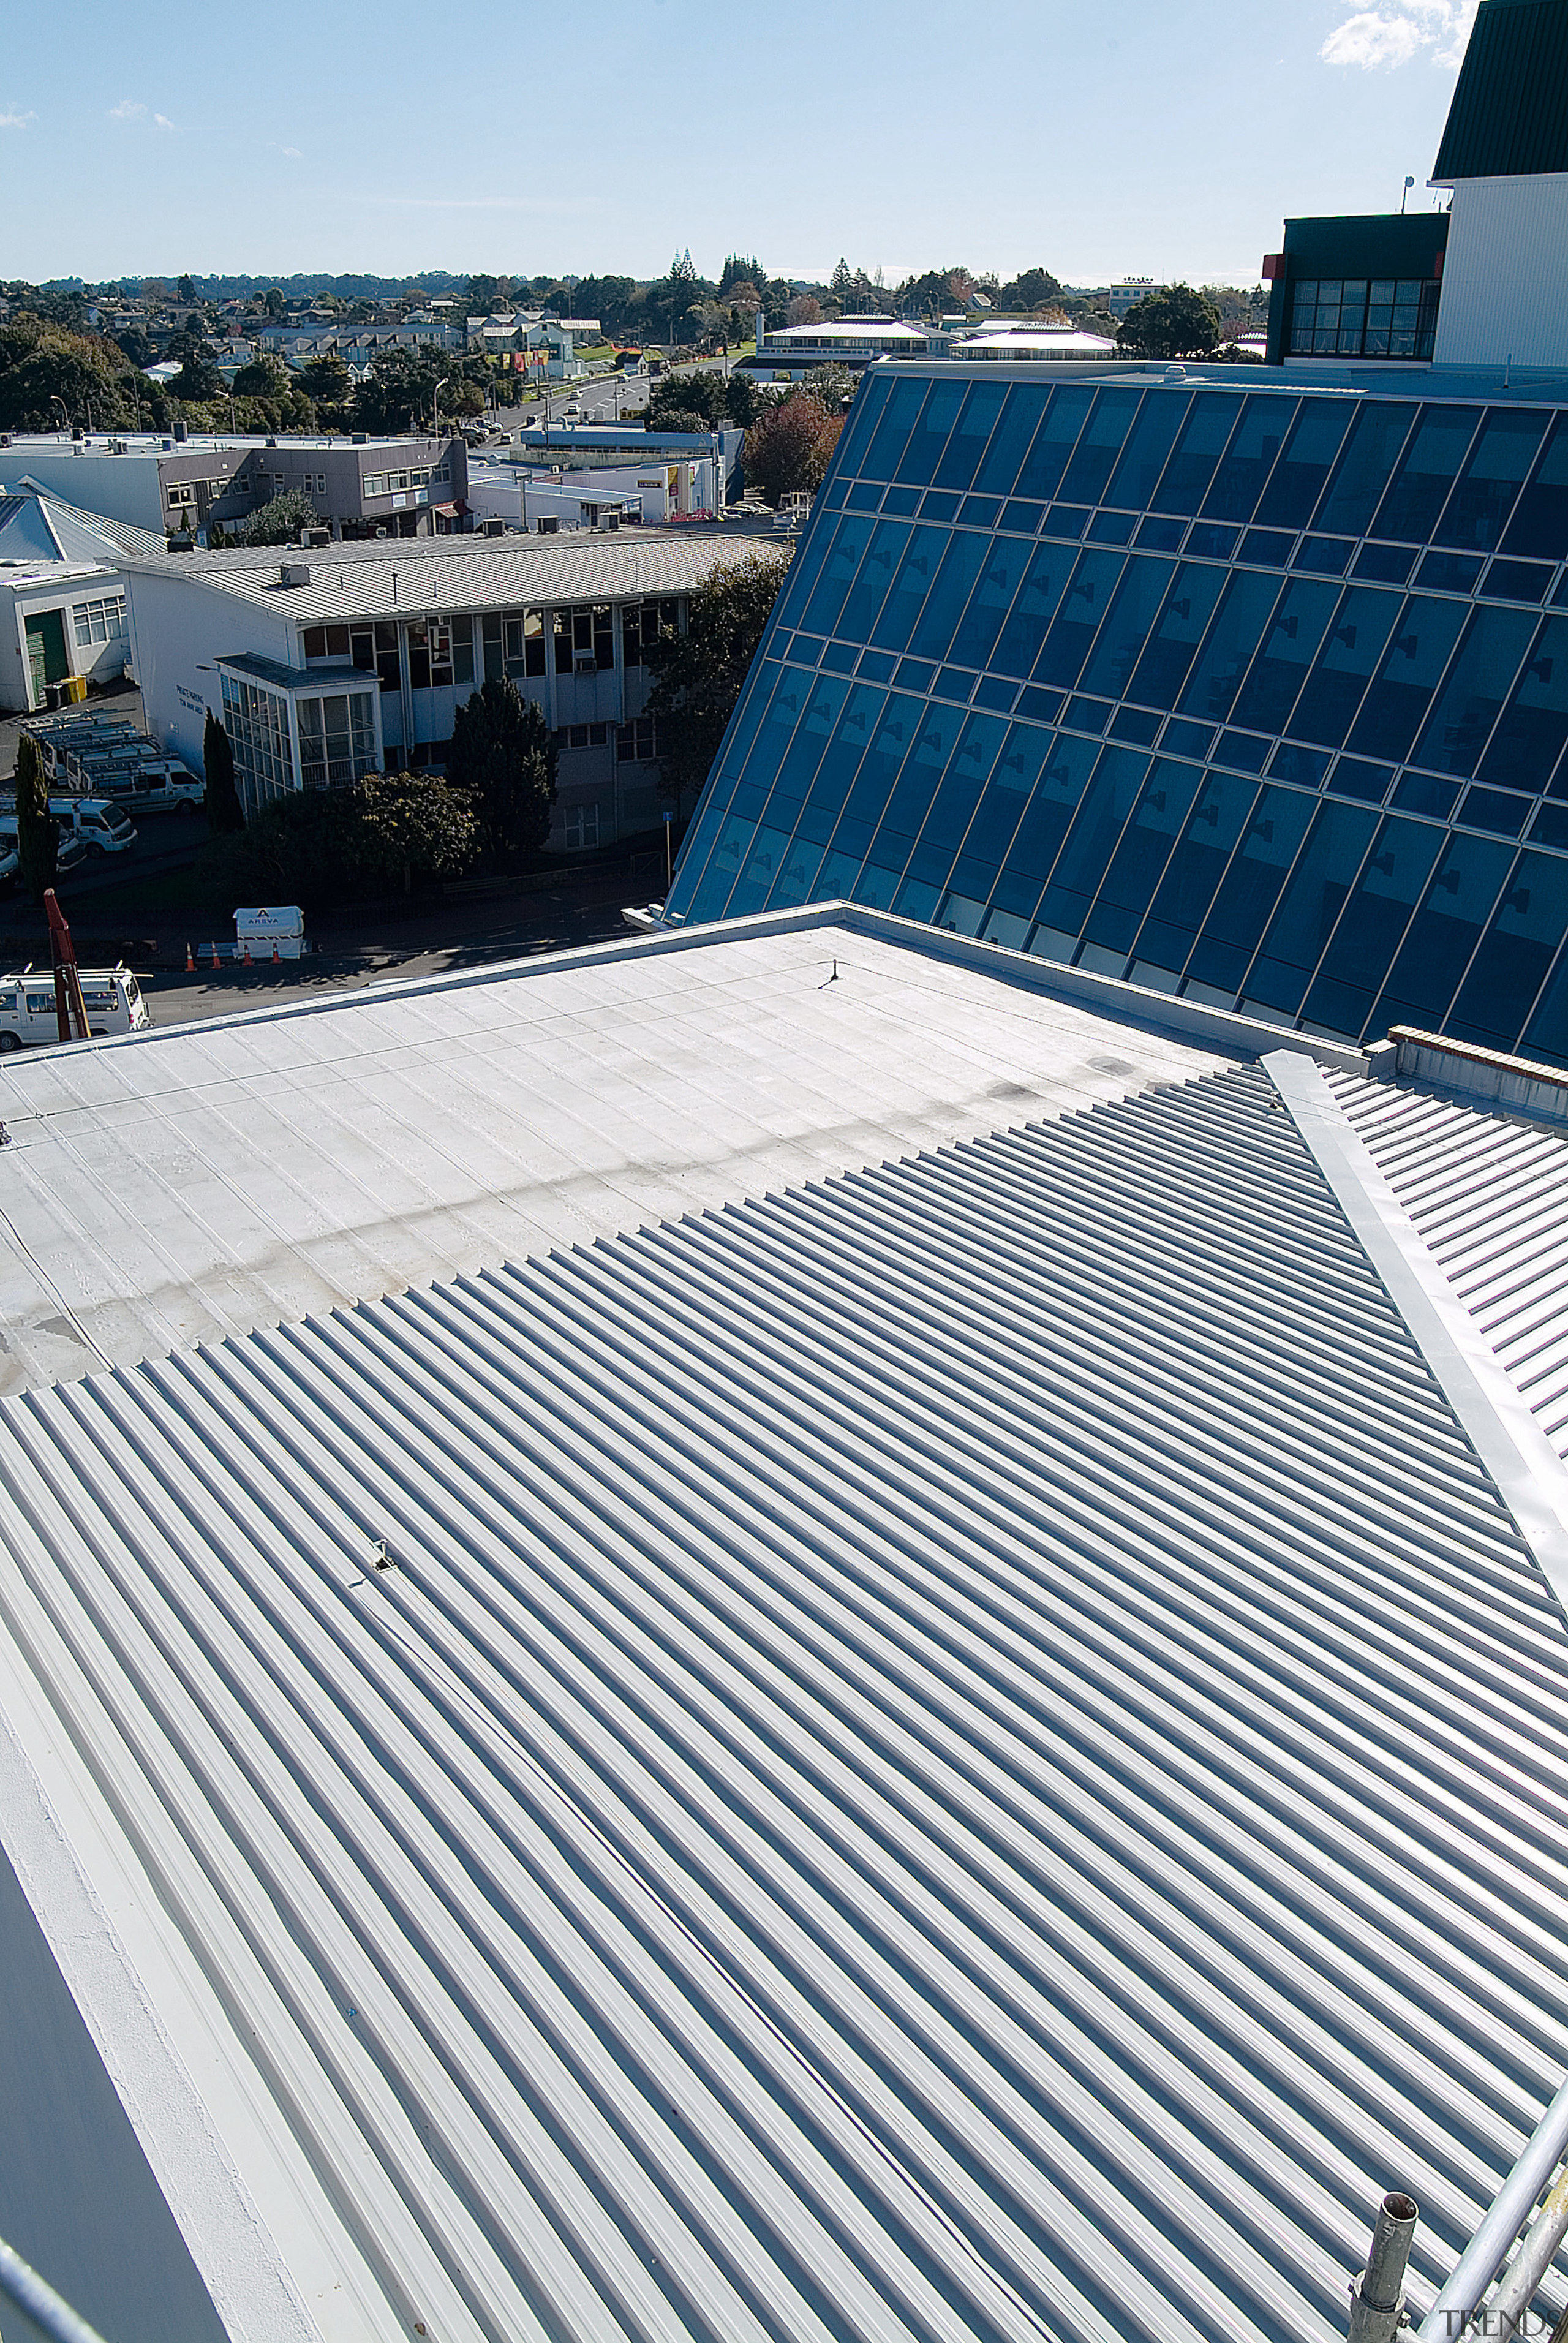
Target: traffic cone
275	954
247	955
215	961
190	962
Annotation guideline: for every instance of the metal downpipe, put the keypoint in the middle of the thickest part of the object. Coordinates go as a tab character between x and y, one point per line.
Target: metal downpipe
1480	2262
1377	2297
50	2312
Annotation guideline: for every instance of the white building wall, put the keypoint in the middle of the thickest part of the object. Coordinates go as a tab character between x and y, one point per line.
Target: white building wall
179	626
1502	294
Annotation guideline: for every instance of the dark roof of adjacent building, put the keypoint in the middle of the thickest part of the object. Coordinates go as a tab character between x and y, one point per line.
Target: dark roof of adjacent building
1509	117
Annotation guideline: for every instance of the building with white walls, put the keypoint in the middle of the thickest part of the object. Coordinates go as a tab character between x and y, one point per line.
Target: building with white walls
370	652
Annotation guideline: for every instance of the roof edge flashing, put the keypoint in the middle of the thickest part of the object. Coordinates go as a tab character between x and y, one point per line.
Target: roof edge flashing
1492	1412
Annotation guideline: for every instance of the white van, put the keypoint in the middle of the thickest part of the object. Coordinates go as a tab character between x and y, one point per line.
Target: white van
111	997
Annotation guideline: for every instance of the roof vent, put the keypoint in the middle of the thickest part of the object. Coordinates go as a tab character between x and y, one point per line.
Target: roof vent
271	441
294	573
1175	374
361	440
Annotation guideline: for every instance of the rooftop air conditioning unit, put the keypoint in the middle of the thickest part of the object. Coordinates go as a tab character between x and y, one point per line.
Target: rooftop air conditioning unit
495	528
294	573
360	439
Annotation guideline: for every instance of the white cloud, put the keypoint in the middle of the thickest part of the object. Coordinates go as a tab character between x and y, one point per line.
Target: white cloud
128	110
1400	29
12	119
162	122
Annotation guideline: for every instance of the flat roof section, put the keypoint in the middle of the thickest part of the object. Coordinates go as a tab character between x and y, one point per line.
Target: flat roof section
209	1178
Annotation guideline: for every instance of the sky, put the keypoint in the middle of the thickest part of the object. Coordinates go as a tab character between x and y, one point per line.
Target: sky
1130	138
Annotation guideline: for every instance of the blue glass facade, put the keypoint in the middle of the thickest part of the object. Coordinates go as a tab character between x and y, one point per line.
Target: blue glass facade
1253	691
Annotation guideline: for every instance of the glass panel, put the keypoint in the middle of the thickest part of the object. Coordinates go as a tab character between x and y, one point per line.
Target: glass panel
1420	488
1098	826
1297	480
1073	630
762	866
1188	608
1203	443
1251	888
1540	524
928	438
1400	692
892	433
866	413
1217	673
970	434
891	734
1289	647
958	797
1062	781
1529	739
1098	449
797	875
1351	650
1393	880
936	737
1018	646
1490	651
1479	508
1021	416
1238	483
713	891
1314	896
874	576
960	566
1132	611
1007	794
906	596
831	786
774	731
1006	560
1546	1035
846	551
1195	870
1514	955
1443	935
1362	472
1053	443
1140	858
1148	443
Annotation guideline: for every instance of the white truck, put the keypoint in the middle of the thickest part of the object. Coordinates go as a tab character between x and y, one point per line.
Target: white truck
102	828
111	997
147	785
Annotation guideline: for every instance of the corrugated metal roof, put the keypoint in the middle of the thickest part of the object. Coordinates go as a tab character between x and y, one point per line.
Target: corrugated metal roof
1489	1193
172	1188
964	1752
1509	116
509	573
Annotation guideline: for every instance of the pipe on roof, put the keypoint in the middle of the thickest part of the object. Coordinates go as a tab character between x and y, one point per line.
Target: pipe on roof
1505	2314
1479	2263
36	2298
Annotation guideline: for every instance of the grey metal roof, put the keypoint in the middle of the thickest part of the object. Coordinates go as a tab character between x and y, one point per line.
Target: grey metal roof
466	574
965	1751
287	1161
1489	1193
1509	116
326	676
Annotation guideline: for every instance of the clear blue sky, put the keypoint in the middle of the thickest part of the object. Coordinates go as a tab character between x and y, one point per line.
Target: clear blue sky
1134	138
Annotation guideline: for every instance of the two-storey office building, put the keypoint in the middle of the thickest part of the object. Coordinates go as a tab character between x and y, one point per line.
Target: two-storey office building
361	487
342	663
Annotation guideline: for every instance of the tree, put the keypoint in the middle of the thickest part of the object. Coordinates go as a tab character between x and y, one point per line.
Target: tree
402	385
224	811
37	831
832	387
264	377
327	384
737	271
1175	323
788	448
279	521
273	301
1031	289
185	289
412	826
698	676
89	375
502	754
805	310
198	380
